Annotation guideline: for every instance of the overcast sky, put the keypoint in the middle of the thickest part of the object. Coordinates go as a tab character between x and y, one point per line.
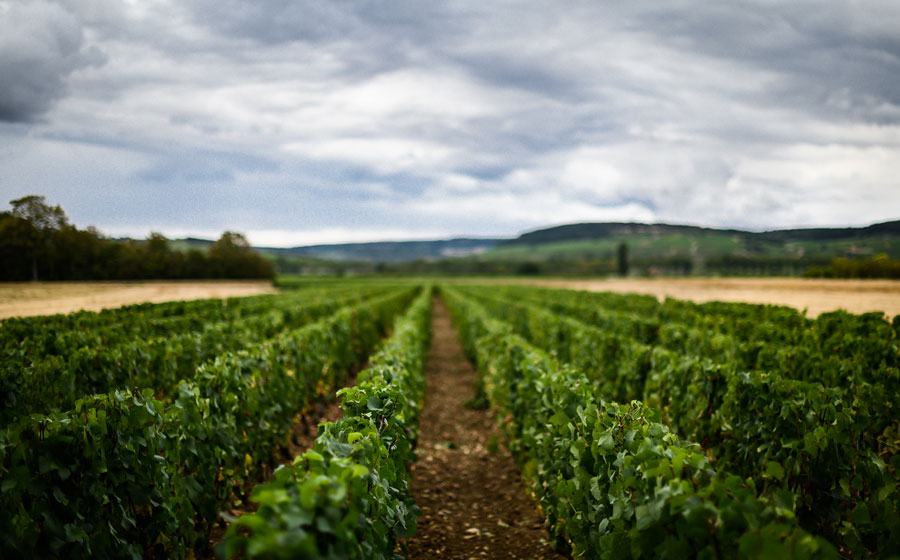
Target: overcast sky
301	122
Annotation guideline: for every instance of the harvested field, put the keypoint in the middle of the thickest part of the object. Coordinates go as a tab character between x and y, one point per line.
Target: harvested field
815	295
44	298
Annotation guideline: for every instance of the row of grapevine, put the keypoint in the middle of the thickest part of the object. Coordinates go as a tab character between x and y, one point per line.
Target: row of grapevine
630	367
125	474
348	497
865	345
612	479
830	453
814	364
38	331
32	383
62	334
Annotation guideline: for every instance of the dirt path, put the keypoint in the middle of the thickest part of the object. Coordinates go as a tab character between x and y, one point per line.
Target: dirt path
474	502
20	299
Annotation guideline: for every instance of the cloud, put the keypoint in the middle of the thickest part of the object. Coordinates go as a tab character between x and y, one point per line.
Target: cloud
204	167
463	118
843	61
41	44
808	184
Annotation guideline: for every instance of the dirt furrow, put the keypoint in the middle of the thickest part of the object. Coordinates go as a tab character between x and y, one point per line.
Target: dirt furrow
473	500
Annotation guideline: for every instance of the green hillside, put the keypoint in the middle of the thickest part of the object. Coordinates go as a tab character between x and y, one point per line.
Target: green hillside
592	249
678	249
393	251
662	240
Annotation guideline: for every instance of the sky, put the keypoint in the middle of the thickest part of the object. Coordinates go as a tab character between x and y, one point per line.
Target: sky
302	122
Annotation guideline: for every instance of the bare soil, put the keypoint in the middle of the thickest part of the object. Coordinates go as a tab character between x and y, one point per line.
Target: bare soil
473	499
44	298
815	295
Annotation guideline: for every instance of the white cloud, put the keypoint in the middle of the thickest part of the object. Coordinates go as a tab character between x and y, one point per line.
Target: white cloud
822	185
517	210
382	155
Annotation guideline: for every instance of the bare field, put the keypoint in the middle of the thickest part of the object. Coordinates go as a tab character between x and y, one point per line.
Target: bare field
814	295
44	298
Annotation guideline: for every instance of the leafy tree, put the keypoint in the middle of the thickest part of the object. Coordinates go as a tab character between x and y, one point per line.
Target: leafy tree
879	266
157	259
232	257
43	220
196	264
37	241
42	216
230	243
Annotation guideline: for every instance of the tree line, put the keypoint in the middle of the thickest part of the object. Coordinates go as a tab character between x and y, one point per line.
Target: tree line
879	266
37	242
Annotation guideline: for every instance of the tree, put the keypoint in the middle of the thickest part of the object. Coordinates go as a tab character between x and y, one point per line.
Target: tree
231	242
36	240
34	209
157	257
16	245
623	259
232	257
45	221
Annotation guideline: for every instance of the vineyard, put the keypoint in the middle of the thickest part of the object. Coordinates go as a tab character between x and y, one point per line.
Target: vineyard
642	429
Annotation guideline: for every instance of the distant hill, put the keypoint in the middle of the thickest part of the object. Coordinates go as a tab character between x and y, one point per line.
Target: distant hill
190	243
374	252
681	249
602	231
391	251
590	248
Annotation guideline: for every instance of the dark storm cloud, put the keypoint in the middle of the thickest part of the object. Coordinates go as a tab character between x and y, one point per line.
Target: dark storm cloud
204	167
841	60
41	44
282	21
277	21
